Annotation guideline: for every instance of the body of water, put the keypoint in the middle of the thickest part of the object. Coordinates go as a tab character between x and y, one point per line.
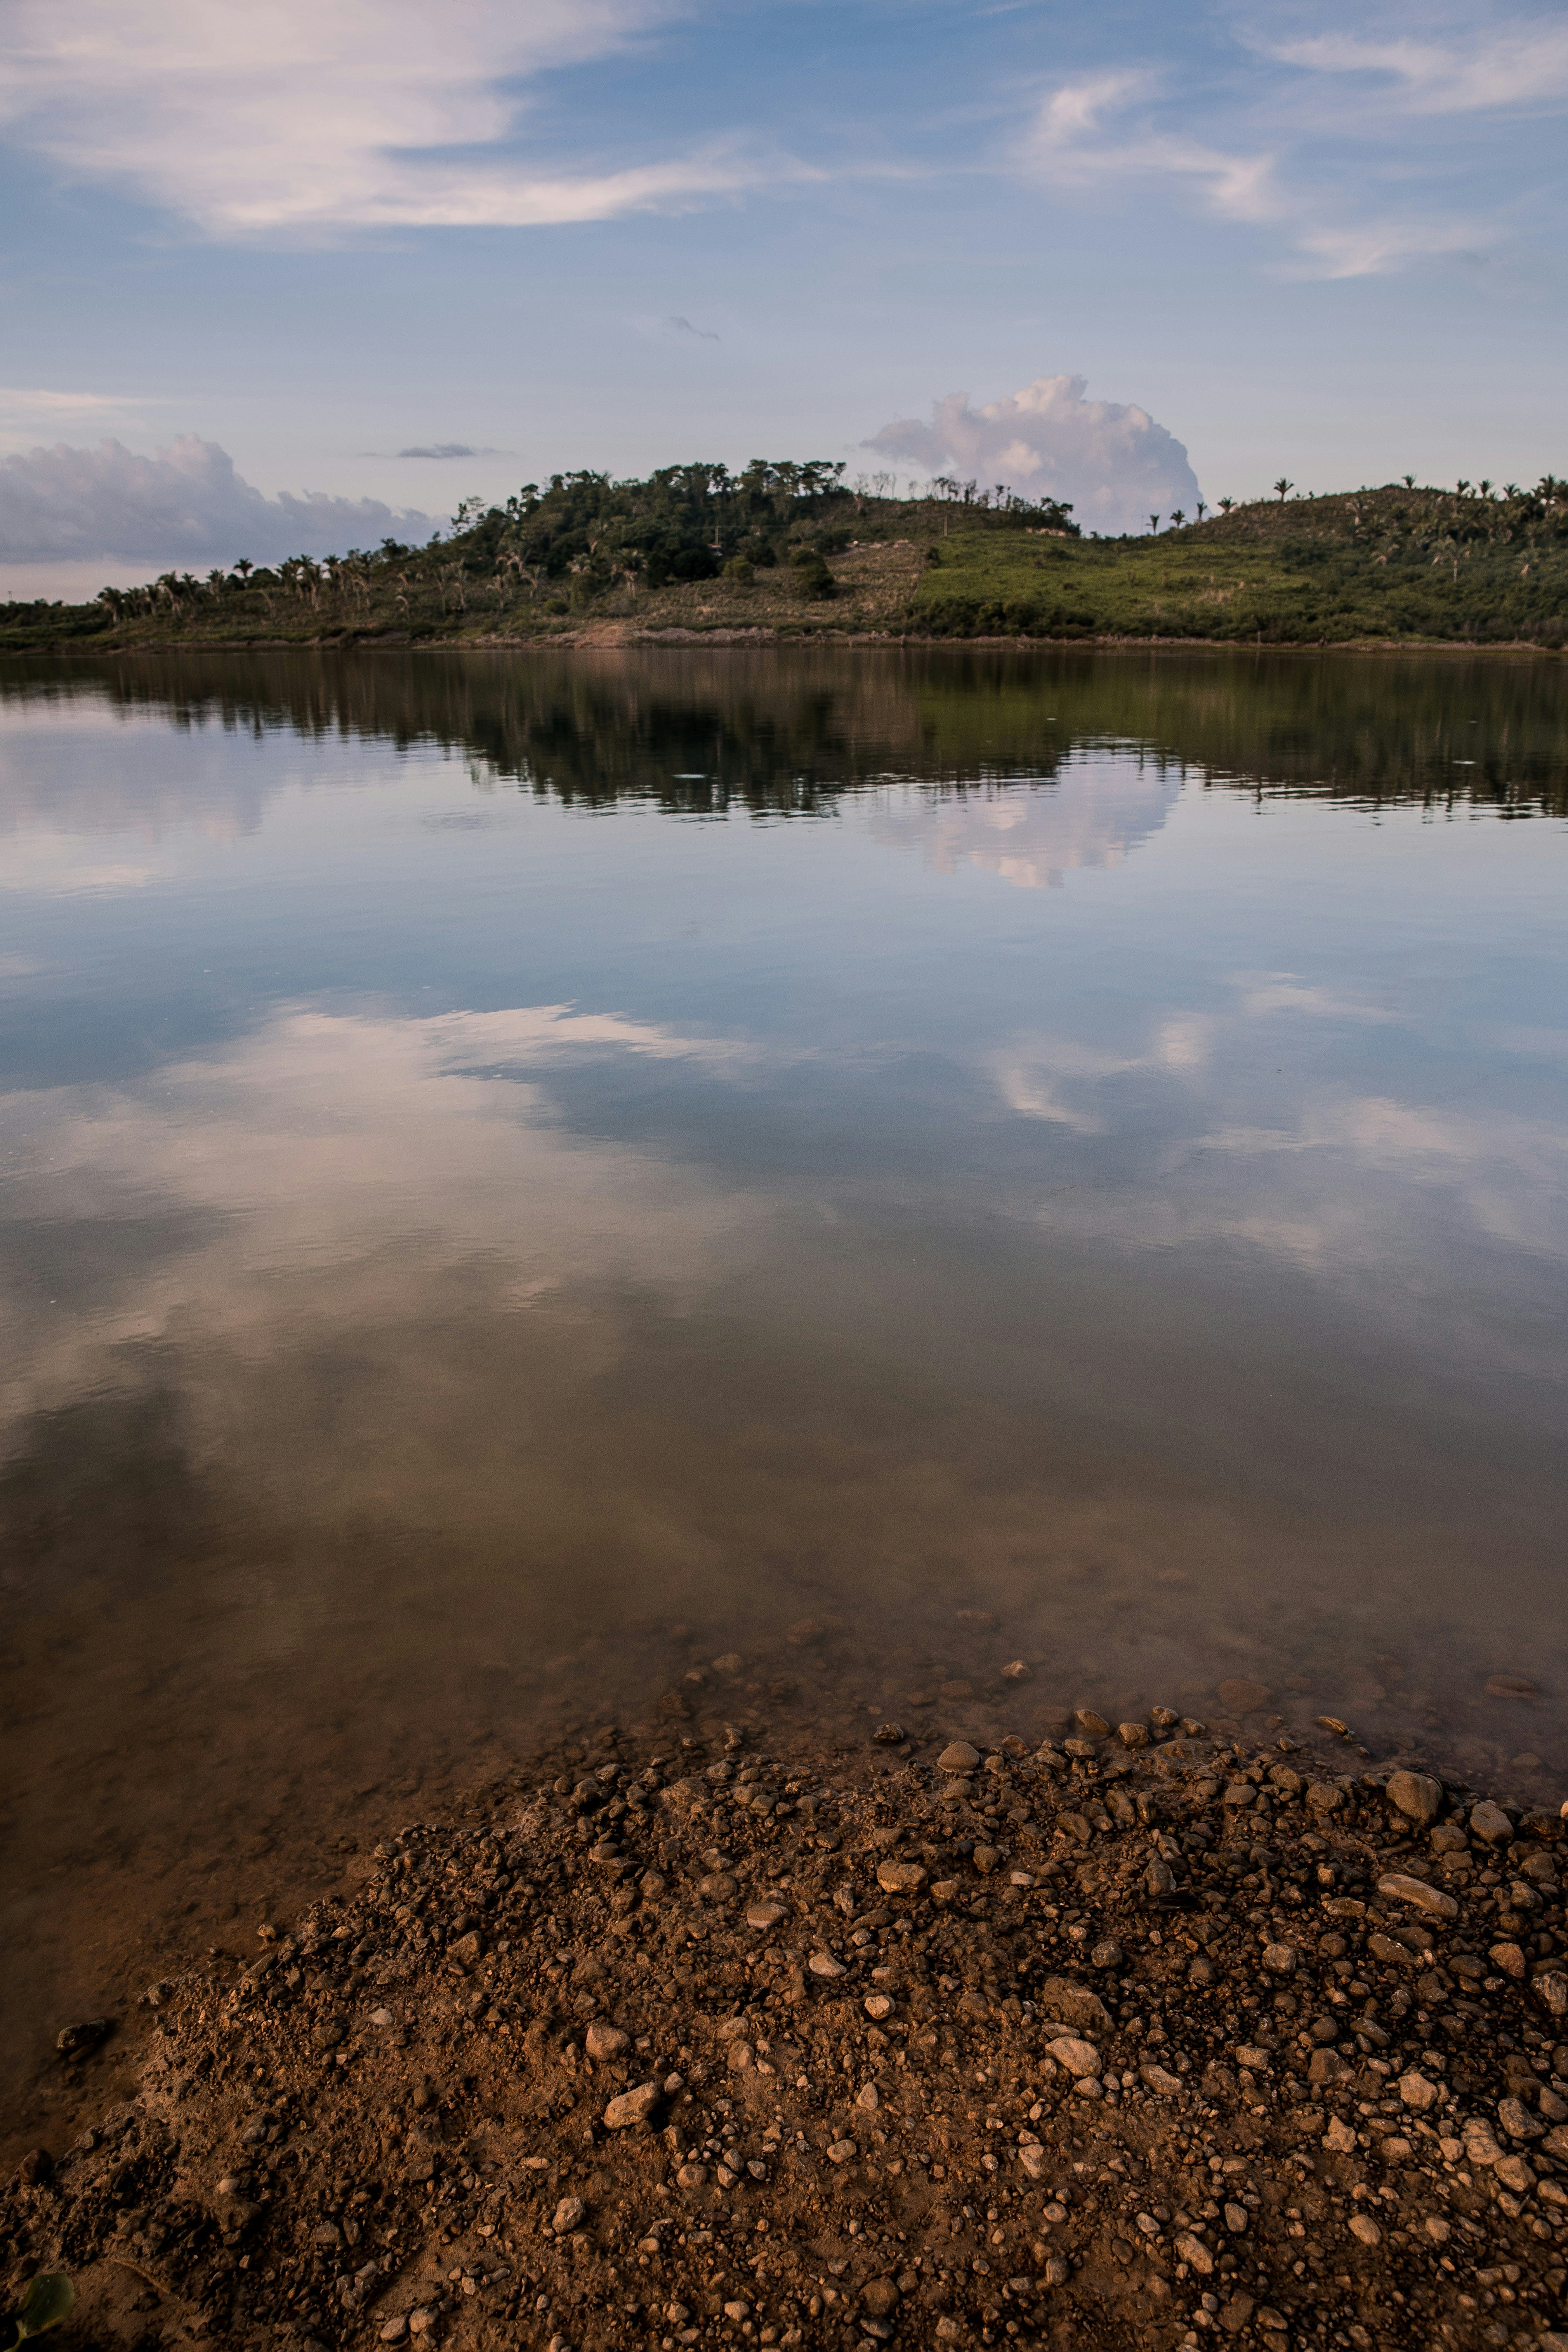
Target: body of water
527	1173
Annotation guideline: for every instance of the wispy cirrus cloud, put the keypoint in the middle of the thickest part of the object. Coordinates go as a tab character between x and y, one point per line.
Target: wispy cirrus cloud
1520	65
309	116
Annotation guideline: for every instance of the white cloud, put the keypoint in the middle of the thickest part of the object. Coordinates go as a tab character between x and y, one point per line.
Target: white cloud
1063	147
1519	65
304	115
184	506
1112	462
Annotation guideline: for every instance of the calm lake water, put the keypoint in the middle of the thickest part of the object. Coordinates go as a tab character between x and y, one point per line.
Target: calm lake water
506	1156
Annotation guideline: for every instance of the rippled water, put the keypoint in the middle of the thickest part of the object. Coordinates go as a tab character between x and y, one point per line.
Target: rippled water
509	1155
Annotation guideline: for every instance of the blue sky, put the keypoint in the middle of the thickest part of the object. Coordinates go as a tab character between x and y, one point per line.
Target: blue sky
620	233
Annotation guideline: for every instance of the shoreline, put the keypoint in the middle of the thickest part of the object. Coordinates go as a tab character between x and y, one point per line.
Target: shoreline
694	2031
614	636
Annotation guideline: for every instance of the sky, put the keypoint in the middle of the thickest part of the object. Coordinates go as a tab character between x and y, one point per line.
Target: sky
292	273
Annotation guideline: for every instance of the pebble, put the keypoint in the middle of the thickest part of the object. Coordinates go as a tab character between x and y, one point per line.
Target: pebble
717	1887
1490	1821
570	2214
1239	1696
900	1878
692	2176
878	2006
1017	1670
604	2042
1517	2120
823	1964
765	1915
632	2107
1132	1735
958	1757
1415	1795
843	2151
1080	2058
1236	2219
1363	2227
1419	1896
1162	2085
1279	1959
1092	1726
1509	1958
1195	2253
1418	2092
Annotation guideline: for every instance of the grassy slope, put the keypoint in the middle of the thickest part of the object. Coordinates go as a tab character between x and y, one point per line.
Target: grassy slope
1384	564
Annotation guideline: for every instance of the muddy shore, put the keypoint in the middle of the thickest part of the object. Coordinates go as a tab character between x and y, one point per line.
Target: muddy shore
709	2026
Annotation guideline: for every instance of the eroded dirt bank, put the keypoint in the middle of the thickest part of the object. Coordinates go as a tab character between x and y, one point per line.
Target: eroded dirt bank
702	2030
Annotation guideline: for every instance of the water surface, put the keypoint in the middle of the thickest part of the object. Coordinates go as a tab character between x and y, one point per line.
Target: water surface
508	1156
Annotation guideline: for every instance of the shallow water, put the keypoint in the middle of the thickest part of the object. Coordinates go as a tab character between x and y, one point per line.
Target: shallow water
506	1156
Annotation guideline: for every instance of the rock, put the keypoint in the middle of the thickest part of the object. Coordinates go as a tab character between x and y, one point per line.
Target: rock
1092	1726
717	1887
1160	1878
1254	2059
1490	1821
1480	2148
1195	2253
1240	1696
1017	1670
1418	1896
1235	2315
632	2107
1074	2003
1239	1794
958	1757
1327	2066
1279	1959
1363	2227
570	2214
1415	1795
868	2099
604	2042
946	1890
877	2005
765	1914
1418	2092
986	1858
889	1735
843	2151
741	2058
1511	1686
1515	2174
1438	2230
1236	2219
1507	1957
1107	1955
692	2176
1081	2059
381	2017
805	1633
823	1964
1339	2138
1132	1735
879	2296
76	2040
1517	2120
1163	2085
395	2330
1324	1795
737	2311
900	1878
1551	1989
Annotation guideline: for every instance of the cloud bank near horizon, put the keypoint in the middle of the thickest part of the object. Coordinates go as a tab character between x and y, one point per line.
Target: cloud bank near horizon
185	504
1110	461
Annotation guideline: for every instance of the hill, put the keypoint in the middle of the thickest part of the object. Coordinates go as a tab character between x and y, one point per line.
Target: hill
789	550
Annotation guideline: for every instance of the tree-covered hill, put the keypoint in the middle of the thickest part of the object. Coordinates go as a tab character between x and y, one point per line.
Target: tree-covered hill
785	548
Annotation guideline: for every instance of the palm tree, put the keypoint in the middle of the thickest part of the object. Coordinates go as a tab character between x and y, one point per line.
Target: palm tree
1280	486
1153	522
1178	516
1408	480
1226	505
1202	509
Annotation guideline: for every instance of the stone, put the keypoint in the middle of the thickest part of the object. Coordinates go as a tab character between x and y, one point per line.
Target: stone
737	2311
1517	2120
1418	2092
1163	2085
1132	1735
717	1887
805	1633
1242	1696
878	2006
1160	1878
879	2296
1074	2004
1279	1959
1254	2059
1108	1954
868	2099
1240	1793
1236	2219
1480	2146
958	1757
900	1878
570	2214
692	2176
1092	1726
765	1914
395	2330
469	1947
1080	2058
986	1858
1515	2174
889	1735
1416	1891
946	1890
1339	2138
1327	2066
632	2108
1363	2227
1490	1821
1325	1796
1017	1670
823	1964
604	2042
76	2040
381	2017
843	2151
741	2058
1415	1795
1551	1989
1195	2253
1438	2230
1511	1686
1507	1957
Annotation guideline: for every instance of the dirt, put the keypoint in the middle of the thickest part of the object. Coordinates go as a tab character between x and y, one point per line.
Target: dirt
696	2030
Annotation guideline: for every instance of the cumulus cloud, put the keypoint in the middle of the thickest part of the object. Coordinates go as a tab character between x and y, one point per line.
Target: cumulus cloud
185	505
1111	461
304	115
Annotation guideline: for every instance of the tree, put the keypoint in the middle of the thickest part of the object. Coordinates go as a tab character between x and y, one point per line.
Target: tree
1281	486
1408	480
1202	510
1226	505
1153	522
1178	516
